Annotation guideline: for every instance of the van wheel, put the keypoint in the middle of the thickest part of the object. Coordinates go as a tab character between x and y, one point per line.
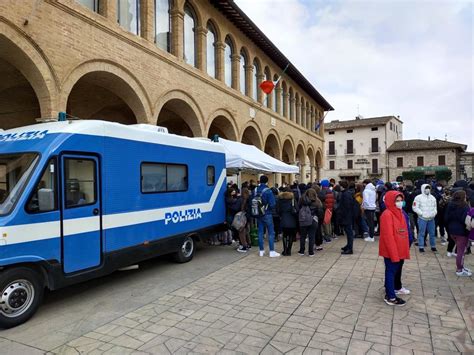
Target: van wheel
186	251
22	291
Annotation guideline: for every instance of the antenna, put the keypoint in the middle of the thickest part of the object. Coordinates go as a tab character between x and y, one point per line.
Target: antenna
445	136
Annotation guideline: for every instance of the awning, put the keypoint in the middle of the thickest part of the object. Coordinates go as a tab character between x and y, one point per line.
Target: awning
244	157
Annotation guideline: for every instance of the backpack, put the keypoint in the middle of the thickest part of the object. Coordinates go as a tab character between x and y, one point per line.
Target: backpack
257	208
240	221
305	217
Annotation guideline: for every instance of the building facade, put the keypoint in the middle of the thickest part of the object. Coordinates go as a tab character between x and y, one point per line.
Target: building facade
356	149
425	155
191	66
467	165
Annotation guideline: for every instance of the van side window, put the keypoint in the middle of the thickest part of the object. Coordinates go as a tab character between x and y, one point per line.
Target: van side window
44	197
211	175
160	177
79	184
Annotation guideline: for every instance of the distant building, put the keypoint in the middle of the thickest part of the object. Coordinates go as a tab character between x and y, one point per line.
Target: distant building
466	165
356	149
425	155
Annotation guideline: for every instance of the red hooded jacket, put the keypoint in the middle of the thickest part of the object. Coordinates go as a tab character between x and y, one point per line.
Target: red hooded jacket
393	231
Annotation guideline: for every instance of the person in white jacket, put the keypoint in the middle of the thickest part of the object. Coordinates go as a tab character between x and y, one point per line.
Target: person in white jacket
368	206
424	206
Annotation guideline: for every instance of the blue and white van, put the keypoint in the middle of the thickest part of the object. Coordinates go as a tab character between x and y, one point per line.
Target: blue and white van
80	199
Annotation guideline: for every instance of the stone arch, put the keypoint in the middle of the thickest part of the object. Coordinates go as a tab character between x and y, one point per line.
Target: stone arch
180	113
193	6
29	85
217	31
288	150
230	37
252	135
96	80
222	123
273	145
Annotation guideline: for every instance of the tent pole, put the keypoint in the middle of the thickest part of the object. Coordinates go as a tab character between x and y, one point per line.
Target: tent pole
239	180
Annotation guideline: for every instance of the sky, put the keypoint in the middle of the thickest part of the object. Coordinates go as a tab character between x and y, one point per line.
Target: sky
412	59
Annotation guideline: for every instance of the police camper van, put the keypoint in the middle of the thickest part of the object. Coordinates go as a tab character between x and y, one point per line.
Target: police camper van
80	199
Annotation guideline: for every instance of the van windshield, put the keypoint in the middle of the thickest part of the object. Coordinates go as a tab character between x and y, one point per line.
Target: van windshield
15	169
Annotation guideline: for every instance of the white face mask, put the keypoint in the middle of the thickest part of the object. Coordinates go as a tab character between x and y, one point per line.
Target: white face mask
399	204
439	188
427	191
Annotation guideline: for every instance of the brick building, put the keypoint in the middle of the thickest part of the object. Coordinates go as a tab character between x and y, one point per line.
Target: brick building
191	66
426	156
356	149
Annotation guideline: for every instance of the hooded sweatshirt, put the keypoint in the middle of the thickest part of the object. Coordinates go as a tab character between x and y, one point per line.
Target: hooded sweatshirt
369	197
394	237
425	205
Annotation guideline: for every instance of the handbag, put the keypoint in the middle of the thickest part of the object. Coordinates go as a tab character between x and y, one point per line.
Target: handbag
327	216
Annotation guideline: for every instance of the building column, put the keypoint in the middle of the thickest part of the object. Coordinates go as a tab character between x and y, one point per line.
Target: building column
302	172
177	28
248	80
108	9
235	71
147	14
278	99
298	112
201	55
260	93
292	109
284	105
220	47
309	119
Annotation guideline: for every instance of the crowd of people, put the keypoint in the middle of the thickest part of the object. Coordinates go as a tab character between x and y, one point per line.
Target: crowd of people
317	213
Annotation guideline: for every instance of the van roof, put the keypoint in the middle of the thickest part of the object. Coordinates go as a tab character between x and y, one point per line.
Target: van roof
100	128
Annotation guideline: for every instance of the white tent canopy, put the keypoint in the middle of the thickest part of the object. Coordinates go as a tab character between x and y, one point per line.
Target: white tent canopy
241	156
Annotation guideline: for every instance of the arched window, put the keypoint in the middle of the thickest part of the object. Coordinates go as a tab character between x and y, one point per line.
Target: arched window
162	24
256	71
211	51
128	15
243	77
228	52
303	113
275	94
292	104
268	77
189	37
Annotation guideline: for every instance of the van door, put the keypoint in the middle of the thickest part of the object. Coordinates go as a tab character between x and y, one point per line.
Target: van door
81	212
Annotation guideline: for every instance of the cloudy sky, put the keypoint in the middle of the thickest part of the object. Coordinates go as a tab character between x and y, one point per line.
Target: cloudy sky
382	57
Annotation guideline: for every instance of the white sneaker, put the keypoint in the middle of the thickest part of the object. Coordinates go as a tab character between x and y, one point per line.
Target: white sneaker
468	270
464	273
262	252
274	254
368	239
448	254
402	291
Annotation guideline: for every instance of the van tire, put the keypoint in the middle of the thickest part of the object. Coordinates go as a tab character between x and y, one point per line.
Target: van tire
186	250
22	291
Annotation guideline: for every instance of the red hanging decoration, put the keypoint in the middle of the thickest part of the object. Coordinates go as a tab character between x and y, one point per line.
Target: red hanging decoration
267	86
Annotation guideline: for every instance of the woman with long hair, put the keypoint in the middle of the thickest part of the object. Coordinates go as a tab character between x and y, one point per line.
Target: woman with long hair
455	216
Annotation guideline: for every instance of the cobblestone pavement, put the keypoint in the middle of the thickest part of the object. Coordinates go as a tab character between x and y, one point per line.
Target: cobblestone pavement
300	305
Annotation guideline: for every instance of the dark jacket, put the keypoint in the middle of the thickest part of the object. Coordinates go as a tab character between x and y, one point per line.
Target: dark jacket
346	207
233	205
455	218
285	203
315	207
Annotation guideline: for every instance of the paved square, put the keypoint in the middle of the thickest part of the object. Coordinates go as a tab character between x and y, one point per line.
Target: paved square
300	305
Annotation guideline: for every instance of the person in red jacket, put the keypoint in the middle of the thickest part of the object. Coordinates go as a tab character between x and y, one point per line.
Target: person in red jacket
393	245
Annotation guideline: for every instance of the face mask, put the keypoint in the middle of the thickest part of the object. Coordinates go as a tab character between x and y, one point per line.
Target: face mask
399	204
427	191
439	188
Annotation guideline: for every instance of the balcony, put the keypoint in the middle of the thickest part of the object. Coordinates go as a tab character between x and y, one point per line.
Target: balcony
374	150
349	151
331	153
375	172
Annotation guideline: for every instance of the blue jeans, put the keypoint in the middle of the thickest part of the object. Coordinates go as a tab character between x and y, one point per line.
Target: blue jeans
262	222
363	225
391	269
423	226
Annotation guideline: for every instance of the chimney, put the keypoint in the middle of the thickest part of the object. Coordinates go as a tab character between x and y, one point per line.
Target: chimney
429	138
